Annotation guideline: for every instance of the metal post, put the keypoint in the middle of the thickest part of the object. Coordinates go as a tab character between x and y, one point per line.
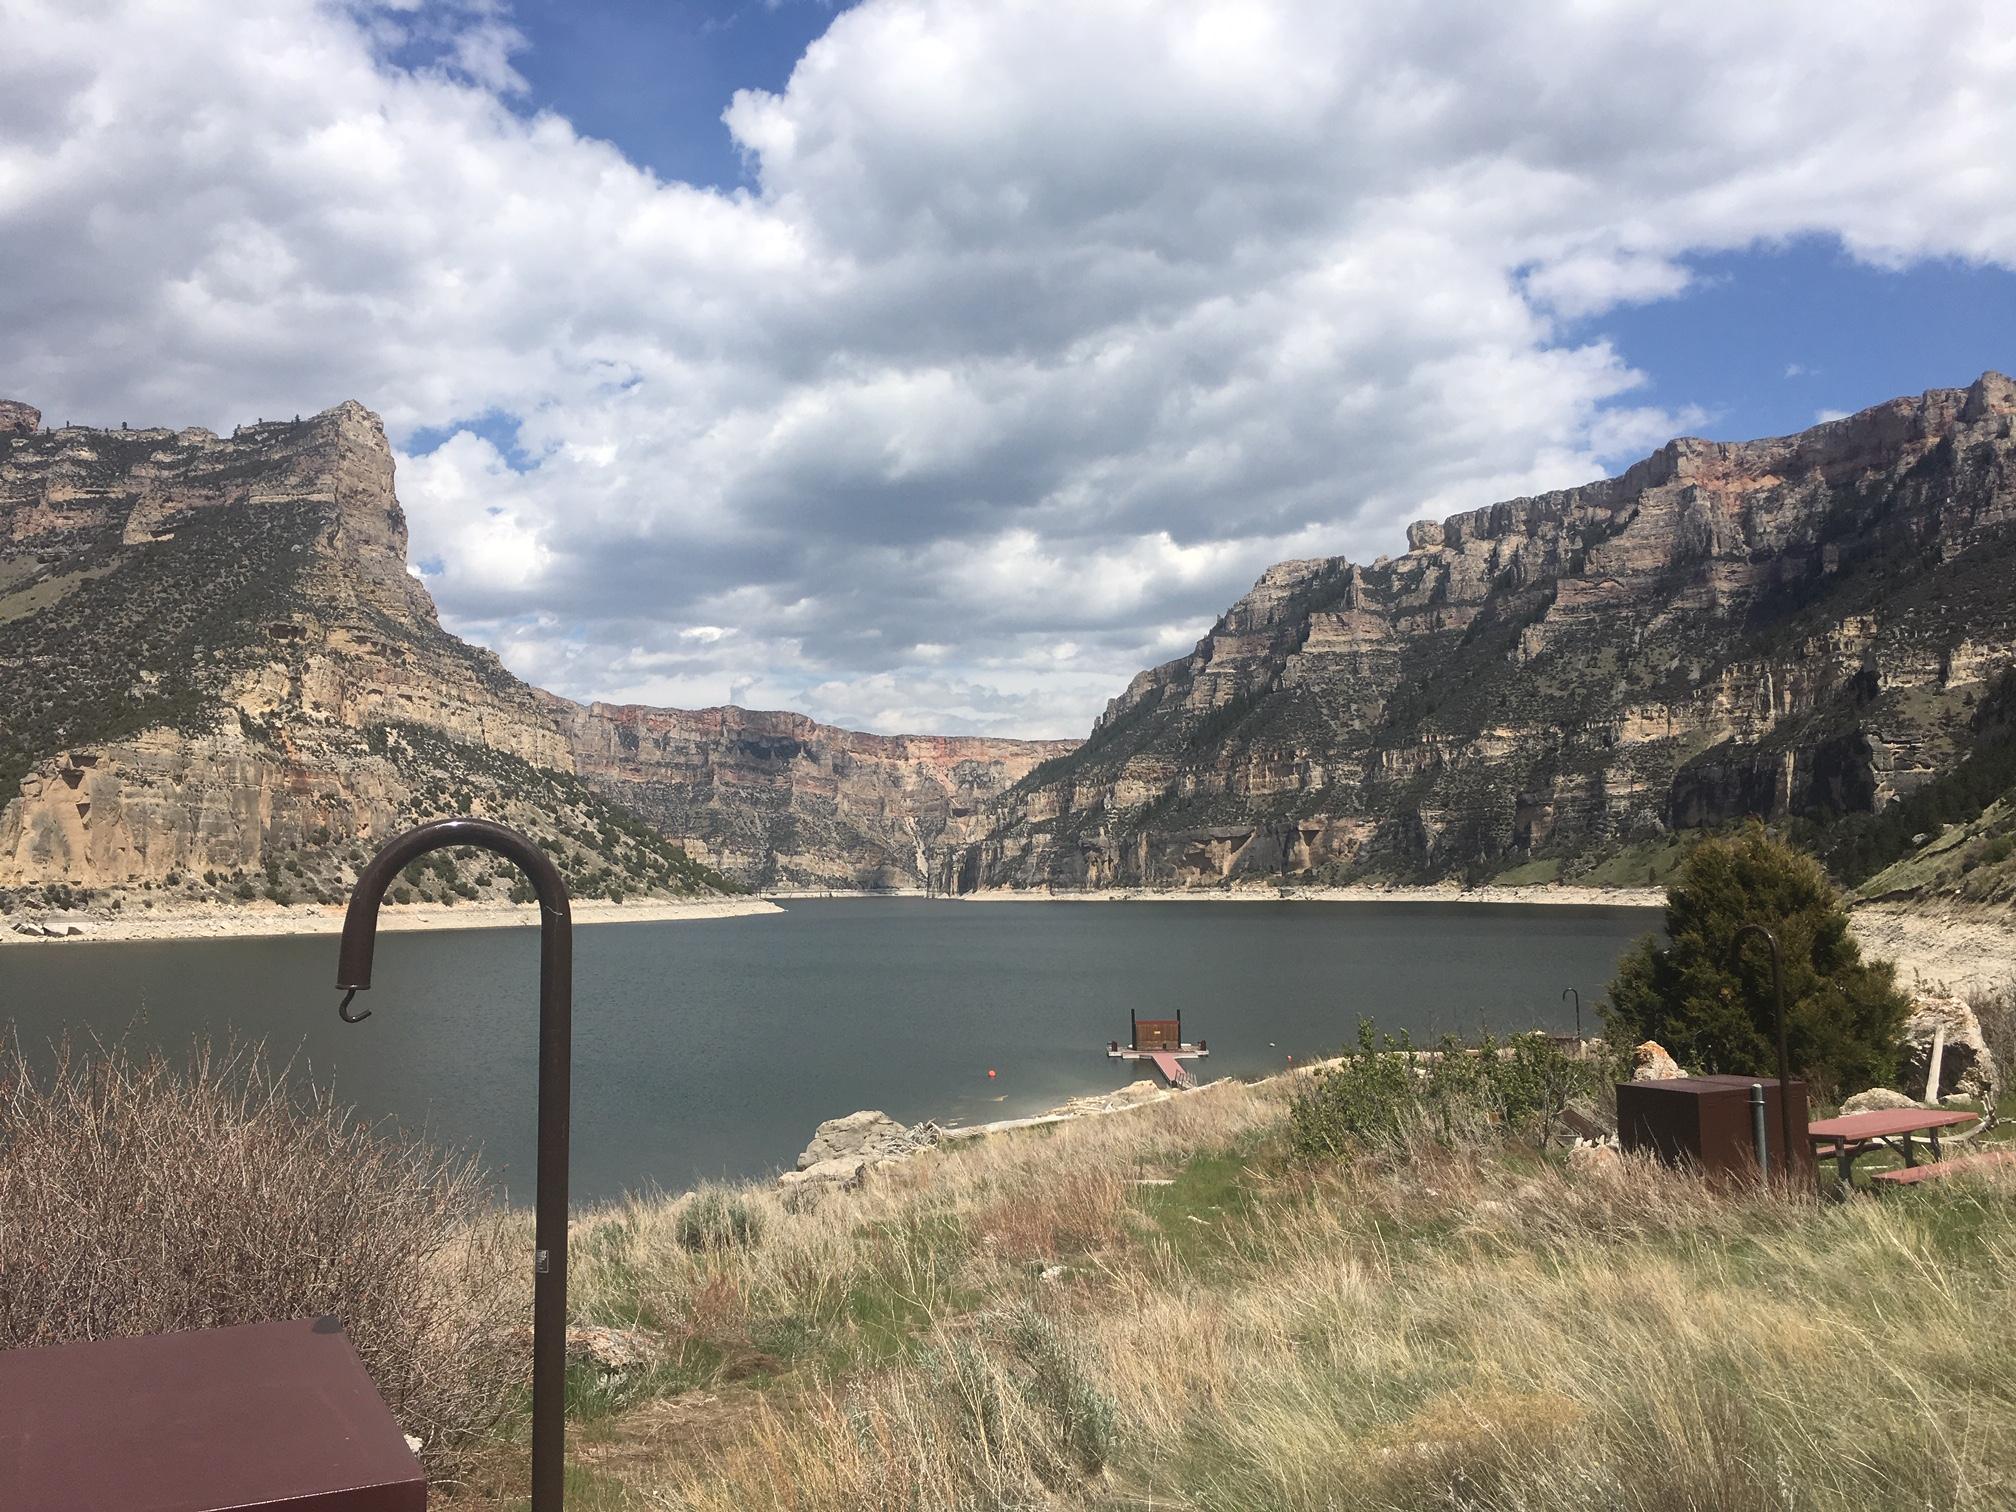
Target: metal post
556	1014
1568	992
1757	1127
1784	1060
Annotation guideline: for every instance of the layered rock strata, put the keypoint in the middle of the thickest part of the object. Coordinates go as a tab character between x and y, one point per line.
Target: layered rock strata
1786	627
216	663
781	801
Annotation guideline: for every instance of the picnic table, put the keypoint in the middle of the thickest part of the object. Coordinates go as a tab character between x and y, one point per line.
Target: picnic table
1854	1134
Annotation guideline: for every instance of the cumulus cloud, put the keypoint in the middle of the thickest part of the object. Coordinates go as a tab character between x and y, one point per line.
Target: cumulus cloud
1044	327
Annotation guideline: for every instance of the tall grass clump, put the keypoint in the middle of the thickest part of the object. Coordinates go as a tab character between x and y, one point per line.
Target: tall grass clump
140	1195
1383	1096
715	1220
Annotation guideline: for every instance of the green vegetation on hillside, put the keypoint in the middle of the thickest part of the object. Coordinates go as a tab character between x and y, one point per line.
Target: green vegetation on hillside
100	640
602	850
1857	846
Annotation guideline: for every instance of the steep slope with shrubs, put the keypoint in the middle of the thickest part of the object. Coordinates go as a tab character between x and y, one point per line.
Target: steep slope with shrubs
1802	627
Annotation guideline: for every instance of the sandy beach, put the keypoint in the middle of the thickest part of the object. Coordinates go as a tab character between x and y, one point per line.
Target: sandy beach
255	921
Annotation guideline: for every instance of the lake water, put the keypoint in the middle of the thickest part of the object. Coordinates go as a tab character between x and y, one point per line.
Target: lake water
713	1048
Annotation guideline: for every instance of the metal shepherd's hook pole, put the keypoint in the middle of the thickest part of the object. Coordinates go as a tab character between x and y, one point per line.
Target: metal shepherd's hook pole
1570	992
556	1014
1784	1060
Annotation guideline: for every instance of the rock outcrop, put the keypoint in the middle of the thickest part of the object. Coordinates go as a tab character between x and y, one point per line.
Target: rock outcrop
221	679
217	663
778	800
843	1150
1966	1065
1789	627
1654	1063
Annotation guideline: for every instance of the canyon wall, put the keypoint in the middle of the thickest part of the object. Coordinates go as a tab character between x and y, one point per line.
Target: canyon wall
784	802
1796	626
217	662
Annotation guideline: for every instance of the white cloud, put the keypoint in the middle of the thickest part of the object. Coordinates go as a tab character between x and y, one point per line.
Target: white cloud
1045	323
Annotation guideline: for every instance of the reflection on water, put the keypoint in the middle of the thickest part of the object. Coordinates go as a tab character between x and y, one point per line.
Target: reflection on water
712	1048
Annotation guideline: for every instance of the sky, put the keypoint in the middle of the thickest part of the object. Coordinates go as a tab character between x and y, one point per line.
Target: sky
937	365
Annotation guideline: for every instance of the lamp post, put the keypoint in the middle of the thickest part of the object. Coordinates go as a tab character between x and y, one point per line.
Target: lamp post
556	1013
1784	1060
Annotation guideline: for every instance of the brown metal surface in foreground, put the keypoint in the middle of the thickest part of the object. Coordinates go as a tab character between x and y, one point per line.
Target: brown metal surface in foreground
279	1416
1705	1121
556	1019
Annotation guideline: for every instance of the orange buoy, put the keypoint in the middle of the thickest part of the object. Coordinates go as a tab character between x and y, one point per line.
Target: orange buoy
990	1073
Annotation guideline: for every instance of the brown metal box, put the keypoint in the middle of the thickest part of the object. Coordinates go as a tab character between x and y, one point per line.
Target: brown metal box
1705	1121
1158	1034
279	1416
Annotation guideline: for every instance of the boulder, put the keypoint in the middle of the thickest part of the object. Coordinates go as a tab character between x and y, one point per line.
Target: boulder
1966	1069
1876	1100
843	1149
1654	1064
843	1171
863	1133
18	419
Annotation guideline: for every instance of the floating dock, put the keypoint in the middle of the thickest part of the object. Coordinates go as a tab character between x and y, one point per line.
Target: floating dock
1160	1041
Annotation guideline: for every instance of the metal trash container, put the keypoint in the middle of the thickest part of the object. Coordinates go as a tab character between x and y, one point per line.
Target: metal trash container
278	1416
1705	1121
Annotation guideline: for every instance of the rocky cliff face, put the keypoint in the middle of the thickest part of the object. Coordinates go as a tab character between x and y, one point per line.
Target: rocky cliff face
1796	626
218	670
219	673
779	800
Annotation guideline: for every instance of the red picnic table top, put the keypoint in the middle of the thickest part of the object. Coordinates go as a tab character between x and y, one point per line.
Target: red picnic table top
1857	1127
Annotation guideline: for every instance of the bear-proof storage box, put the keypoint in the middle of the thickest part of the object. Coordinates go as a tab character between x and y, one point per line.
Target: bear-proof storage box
1705	1121
278	1416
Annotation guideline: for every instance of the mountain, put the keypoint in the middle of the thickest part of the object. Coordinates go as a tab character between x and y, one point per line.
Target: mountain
784	802
221	679
1800	628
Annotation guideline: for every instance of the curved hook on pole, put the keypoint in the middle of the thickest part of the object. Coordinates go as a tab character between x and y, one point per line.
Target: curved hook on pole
1570	992
556	1009
343	1009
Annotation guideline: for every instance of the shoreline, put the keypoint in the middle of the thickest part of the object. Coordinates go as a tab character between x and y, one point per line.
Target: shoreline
269	921
1550	894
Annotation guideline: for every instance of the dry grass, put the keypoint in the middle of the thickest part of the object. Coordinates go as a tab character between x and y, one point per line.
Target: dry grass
138	1196
1470	1330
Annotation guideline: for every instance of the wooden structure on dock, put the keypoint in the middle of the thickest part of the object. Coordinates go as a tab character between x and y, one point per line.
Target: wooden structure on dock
1160	1041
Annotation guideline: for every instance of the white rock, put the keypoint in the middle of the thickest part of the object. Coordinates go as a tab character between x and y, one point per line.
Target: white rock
1967	1068
844	1171
1876	1100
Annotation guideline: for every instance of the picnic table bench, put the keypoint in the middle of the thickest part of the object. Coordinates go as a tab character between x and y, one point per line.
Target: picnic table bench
1854	1134
1910	1174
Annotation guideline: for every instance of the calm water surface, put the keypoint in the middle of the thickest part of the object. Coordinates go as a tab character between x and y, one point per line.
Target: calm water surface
713	1048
